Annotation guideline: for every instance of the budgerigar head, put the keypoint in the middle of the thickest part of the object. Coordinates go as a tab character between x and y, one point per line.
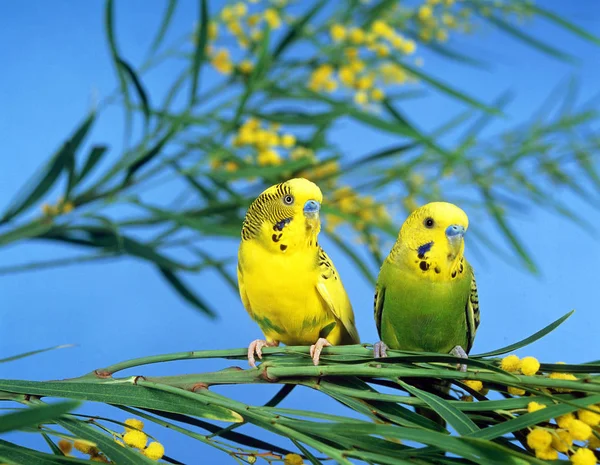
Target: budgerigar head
285	215
435	234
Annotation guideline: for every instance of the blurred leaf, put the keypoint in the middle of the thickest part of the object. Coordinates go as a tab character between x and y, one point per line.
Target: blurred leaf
560	21
201	37
35	415
137	83
33	352
149	155
164	26
55	449
18	455
296	29
534	337
96	154
41	184
185	292
29	230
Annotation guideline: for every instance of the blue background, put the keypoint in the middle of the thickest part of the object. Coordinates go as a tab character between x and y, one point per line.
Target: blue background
55	59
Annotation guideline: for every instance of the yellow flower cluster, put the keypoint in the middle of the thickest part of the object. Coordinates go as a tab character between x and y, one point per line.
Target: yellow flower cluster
83	446
134	437
265	140
435	19
364	208
529	366
60	208
474	384
293	459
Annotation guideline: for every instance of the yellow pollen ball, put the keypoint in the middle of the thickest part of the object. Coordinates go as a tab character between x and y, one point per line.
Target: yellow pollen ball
65	446
337	32
425	13
530	366
589	418
364	83
539	439
377	94
288	140
510	363
272	18
382	50
351	53
154	451
534	407
137	439
579	430
85	447
357	36
583	456
293	459
516	391
546	454
562	440
246	66
360	98
268	157
441	35
474	384
134	423
565	420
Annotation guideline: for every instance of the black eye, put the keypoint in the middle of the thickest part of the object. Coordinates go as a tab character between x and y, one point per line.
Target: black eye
429	223
288	199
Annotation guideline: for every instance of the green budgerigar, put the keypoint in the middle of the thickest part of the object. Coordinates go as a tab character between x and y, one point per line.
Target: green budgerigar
426	297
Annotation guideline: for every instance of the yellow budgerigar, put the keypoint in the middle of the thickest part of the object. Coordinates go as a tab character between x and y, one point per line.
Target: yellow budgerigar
287	282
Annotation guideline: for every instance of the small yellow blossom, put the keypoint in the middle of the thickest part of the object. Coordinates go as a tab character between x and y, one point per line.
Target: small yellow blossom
213	30
240	9
562	440
357	65
337	32
565	377
288	140
361	98
382	50
392	73
133	424
425	12
302	152
579	430
590	418
253	20
65	446
546	454
364	82
331	85
135	439
235	28
564	421
449	2
357	36
227	14
516	391
351	53
246	66
449	20
474	384
534	407
539	439
346	76
583	456
530	366
377	94
231	166
293	459
154	451
85	447
251	459
441	35
320	77
222	62
68	207
425	35
381	28
408	47
272	18
510	363
268	157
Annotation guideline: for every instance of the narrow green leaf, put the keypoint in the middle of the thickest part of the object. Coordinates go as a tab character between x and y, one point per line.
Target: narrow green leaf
185	292
307	454
296	29
563	22
528	39
455	418
164	26
35	415
150	154
200	51
33	352
93	158
42	183
55	449
139	87
34	229
534	337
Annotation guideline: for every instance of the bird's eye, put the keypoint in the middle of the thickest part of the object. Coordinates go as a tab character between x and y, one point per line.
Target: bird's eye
429	223
288	199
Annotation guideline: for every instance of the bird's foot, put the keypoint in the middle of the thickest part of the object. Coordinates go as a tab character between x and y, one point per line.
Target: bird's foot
380	349
256	347
459	352
317	347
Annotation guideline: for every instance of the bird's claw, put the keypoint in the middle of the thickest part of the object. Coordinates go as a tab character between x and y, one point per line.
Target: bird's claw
459	352
256	347
380	349
316	348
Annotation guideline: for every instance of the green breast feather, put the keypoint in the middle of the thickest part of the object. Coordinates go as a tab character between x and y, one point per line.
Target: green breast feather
421	315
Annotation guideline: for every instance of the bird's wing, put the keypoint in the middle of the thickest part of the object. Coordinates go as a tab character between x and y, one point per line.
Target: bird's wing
242	289
332	291
472	313
378	305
